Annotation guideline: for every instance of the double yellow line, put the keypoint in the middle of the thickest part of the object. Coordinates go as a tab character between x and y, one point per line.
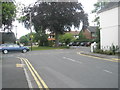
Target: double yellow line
112	60
39	81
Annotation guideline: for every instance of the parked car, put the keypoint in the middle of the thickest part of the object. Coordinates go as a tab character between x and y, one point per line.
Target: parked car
70	44
77	44
83	43
88	44
5	48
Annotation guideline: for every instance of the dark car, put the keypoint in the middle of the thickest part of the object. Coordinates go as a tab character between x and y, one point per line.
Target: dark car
5	48
83	43
77	43
70	44
88	44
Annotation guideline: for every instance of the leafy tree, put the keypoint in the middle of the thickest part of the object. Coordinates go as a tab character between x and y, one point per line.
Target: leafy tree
24	40
98	6
41	37
8	15
66	38
81	36
58	17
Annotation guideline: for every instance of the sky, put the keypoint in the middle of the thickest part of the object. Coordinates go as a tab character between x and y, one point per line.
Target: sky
87	6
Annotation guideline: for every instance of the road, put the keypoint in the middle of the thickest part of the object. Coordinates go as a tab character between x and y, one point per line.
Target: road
58	69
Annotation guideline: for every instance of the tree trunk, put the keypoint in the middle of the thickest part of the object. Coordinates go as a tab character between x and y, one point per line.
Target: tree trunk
56	39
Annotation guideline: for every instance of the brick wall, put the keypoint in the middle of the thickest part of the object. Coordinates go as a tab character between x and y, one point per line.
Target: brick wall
87	34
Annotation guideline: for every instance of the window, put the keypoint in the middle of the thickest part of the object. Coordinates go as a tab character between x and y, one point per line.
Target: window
16	45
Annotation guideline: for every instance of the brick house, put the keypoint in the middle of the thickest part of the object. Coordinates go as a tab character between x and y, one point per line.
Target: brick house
75	34
90	32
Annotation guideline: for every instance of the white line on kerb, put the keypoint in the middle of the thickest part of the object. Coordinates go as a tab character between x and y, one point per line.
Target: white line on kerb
72	60
107	71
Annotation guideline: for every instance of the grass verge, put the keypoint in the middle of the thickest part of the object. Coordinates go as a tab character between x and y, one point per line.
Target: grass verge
48	48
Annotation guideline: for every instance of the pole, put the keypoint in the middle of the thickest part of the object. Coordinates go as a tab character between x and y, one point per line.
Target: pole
16	33
30	32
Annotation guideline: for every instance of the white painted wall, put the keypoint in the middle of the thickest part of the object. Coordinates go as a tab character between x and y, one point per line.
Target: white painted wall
109	28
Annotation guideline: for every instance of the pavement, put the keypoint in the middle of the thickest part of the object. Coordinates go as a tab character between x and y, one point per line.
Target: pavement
0	71
86	51
13	75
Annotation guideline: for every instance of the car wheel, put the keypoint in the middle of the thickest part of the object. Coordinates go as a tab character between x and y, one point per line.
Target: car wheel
5	51
24	50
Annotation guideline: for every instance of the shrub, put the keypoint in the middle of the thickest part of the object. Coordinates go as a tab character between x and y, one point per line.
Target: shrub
108	52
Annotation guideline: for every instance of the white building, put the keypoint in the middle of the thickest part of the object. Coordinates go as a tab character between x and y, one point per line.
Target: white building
109	24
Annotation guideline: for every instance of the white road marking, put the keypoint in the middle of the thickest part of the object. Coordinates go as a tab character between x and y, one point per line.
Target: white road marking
107	71
27	77
72	60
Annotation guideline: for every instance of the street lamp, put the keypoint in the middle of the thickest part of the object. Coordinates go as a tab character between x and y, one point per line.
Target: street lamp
16	33
30	32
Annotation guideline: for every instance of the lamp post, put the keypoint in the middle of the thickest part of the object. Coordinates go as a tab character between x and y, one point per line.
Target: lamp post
30	32
16	33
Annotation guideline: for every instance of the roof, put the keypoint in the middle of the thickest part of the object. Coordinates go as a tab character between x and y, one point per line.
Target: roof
92	28
109	6
74	32
6	0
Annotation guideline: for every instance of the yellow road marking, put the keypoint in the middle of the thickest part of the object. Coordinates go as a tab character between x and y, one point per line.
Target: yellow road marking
34	73
35	78
41	80
19	65
97	57
115	59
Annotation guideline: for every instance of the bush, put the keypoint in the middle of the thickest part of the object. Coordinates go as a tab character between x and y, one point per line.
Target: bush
99	51
108	52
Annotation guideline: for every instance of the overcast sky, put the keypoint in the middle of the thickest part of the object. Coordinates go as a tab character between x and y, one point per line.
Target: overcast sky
87	4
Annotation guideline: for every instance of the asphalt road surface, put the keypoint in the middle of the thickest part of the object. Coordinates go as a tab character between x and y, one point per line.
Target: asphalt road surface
58	69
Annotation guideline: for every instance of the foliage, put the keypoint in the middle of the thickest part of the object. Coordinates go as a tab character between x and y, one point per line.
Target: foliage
49	48
81	35
113	50
24	40
107	52
41	37
98	6
8	15
82	38
56	16
66	38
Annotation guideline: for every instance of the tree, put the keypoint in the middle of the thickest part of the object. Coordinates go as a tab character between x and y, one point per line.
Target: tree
24	40
58	17
8	15
98	6
66	38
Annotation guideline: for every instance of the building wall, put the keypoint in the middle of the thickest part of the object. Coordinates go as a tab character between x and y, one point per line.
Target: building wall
109	28
87	34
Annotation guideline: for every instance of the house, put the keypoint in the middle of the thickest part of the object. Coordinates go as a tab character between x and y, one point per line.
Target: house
109	24
51	36
74	33
7	37
90	32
